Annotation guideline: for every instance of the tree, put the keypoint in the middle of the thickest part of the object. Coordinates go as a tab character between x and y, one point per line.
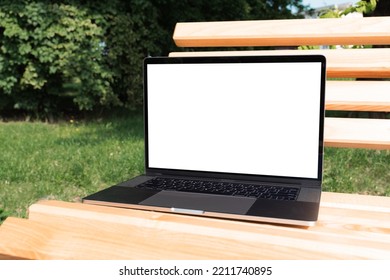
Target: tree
51	54
171	11
85	54
382	8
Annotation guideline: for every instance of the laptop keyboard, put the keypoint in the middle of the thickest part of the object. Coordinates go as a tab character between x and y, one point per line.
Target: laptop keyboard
222	188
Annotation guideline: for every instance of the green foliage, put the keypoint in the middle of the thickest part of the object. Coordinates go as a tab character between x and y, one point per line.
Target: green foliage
364	7
50	53
172	11
3	216
131	33
57	56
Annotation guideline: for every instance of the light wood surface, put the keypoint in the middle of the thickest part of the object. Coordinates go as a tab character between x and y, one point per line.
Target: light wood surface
341	63
344	31
349	227
358	96
357	133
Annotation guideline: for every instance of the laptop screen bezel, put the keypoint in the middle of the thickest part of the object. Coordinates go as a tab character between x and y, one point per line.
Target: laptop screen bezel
239	59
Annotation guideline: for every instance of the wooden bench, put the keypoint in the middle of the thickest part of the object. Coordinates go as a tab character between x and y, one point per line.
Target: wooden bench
341	95
350	226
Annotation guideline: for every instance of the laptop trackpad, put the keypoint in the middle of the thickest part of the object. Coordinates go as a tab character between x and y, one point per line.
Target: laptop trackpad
200	202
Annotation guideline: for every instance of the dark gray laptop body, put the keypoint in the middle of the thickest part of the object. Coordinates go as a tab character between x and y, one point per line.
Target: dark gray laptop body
251	120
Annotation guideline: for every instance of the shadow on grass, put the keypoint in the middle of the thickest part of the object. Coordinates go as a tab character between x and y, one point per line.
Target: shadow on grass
3	216
116	127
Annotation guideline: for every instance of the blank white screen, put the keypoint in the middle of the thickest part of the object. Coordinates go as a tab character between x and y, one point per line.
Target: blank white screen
246	118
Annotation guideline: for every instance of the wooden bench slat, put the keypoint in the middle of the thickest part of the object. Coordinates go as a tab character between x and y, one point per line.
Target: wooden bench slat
358	96
341	63
343	31
349	227
20	239
357	133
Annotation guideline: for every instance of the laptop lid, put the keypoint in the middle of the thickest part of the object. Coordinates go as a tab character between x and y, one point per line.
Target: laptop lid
251	117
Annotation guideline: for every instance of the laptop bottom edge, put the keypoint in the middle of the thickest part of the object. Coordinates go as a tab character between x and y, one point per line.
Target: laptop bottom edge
192	212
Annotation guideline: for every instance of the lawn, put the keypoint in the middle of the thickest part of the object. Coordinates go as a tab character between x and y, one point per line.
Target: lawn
66	160
71	159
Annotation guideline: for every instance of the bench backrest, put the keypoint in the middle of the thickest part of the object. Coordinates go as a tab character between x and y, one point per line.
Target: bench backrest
365	56
344	63
345	31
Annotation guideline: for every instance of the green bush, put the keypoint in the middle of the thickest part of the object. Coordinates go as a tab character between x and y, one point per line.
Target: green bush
57	56
72	54
131	33
51	53
3	216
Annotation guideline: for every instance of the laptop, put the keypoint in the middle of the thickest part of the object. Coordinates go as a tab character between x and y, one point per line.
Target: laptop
230	137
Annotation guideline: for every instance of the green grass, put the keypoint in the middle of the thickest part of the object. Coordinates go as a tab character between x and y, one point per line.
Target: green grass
66	161
357	171
69	160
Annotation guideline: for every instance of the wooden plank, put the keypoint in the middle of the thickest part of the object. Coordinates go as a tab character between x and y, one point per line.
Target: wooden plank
341	63
20	239
357	133
349	227
343	31
355	201
371	96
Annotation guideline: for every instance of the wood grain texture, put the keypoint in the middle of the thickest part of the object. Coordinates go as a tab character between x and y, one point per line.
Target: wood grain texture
349	227
371	96
344	31
357	133
341	63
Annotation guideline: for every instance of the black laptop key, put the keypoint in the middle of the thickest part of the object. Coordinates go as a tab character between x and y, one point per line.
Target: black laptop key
222	188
